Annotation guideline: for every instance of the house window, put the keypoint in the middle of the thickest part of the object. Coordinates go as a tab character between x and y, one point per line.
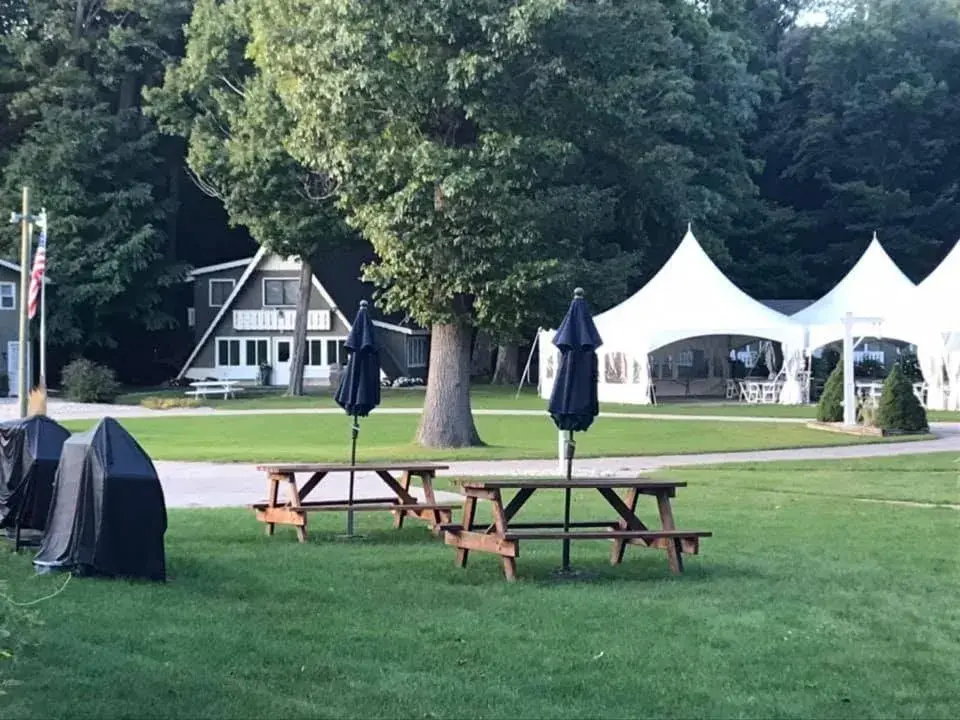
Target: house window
336	352
191	317
280	292
416	352
8	296
220	291
315	352
257	353
228	352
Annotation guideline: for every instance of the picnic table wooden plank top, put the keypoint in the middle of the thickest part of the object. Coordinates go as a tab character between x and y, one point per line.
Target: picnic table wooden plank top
346	467
591	483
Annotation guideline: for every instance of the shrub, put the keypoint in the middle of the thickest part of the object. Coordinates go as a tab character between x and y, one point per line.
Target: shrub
4	384
910	366
830	405
87	382
899	408
167	403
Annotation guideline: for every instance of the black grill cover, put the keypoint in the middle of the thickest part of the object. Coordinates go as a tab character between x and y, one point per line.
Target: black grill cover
108	515
29	455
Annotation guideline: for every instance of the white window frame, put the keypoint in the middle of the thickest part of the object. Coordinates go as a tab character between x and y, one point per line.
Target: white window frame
240	352
263	290
233	286
417	359
13	295
258	338
326	355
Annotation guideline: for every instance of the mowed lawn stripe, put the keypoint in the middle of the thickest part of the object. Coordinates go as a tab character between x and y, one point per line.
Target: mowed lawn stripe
325	438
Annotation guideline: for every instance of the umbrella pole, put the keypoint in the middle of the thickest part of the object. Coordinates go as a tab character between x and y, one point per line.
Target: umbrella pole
353	461
566	500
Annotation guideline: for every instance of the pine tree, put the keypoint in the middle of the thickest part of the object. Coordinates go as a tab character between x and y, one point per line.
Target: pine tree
830	405
900	410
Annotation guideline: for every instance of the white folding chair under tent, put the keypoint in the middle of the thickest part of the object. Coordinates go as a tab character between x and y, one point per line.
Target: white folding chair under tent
688	298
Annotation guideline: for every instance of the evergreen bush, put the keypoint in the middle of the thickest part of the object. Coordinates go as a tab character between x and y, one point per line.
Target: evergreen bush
830	405
899	409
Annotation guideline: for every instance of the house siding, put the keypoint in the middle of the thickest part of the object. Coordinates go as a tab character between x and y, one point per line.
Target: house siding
201	298
251	298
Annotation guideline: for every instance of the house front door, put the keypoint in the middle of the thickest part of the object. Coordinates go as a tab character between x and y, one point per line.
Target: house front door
13	366
282	350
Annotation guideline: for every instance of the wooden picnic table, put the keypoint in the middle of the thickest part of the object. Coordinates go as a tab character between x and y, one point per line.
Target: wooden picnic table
503	536
294	510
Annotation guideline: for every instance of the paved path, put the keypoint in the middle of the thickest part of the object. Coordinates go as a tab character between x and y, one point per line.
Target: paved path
189	484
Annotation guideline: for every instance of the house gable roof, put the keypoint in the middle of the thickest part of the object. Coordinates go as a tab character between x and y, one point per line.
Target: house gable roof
342	278
207	269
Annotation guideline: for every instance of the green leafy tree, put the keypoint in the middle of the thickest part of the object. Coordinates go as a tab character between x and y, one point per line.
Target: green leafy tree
899	408
70	76
473	142
236	130
830	404
862	138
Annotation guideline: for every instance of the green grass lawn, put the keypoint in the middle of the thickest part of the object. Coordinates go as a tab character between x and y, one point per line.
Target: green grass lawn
326	438
805	603
488	397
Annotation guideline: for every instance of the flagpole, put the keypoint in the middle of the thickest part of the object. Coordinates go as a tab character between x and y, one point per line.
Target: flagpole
43	305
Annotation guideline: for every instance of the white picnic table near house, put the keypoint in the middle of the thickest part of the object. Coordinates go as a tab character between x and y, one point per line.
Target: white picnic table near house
203	388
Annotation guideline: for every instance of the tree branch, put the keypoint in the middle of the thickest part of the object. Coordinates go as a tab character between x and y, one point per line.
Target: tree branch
207	188
234	88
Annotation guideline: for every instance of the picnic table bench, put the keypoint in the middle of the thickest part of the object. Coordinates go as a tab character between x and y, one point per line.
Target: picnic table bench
503	536
402	504
202	388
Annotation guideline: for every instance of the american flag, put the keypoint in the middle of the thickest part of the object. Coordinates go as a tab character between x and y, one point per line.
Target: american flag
36	274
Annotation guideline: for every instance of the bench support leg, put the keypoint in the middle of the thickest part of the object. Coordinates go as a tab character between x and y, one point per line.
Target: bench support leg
294	504
619	544
469	514
674	547
500	522
399	515
273	490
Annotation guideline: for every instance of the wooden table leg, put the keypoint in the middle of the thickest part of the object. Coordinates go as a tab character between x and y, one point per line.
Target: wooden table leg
619	544
273	490
500	522
674	548
399	515
469	515
430	498
295	503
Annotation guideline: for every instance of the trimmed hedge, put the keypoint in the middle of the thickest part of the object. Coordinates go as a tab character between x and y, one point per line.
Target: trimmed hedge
830	405
899	409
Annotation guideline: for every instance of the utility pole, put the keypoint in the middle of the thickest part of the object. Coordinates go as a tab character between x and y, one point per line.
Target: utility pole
26	221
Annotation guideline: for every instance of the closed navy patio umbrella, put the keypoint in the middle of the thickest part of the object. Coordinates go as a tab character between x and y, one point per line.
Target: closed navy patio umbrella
573	401
359	391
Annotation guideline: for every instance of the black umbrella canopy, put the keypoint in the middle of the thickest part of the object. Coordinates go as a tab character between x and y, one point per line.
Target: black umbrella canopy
359	390
573	401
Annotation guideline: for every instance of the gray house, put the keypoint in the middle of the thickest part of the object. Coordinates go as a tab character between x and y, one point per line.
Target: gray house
9	321
244	312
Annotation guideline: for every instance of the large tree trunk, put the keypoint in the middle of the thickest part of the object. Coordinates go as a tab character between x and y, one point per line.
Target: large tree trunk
480	361
447	421
298	358
507	371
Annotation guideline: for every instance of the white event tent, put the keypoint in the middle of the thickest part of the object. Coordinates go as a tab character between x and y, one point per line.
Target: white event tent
939	297
876	288
688	298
